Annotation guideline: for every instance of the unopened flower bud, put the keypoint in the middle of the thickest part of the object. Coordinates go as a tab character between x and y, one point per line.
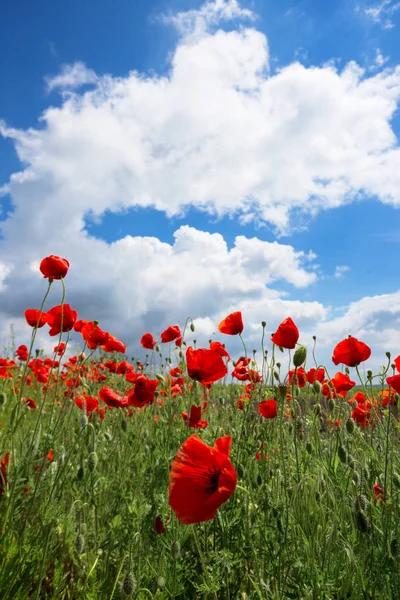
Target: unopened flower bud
3	398
300	356
92	461
129	585
84	421
276	375
342	454
317	386
124	425
175	550
350	426
331	404
160	377
388	355
263	324
161	582
80	544
369	374
192	327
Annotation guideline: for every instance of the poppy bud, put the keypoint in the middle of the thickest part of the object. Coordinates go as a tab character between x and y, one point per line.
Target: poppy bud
369	374
160	377
276	376
317	497
192	327
342	454
80	474
331	404
350	426
161	582
92	461
157	348
309	447
388	355
279	525
317	386
317	409
360	503
124	425
175	550
129	585
240	471
259	480
3	398
84	421
263	324
356	478
393	366
80	544
300	356
278	364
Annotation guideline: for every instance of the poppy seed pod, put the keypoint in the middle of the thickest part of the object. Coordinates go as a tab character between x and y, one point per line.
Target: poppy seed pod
300	356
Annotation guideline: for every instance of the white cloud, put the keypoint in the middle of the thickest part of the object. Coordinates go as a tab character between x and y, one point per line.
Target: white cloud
71	77
382	13
196	23
340	271
380	60
217	133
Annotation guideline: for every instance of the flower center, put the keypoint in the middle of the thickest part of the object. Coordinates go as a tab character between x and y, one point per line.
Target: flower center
213	475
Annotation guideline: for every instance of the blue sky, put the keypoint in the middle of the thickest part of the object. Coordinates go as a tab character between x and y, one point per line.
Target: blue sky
359	232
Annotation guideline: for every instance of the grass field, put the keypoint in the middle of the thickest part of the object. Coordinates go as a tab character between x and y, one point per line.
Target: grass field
106	490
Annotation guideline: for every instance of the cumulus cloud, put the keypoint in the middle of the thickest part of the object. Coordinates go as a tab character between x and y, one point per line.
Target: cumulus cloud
218	133
195	23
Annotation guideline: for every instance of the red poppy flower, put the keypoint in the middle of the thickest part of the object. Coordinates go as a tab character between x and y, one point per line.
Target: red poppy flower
194	420
61	318
170	334
287	335
394	382
300	379
148	341
93	335
50	455
351	352
3	473
232	324
358	397
220	348
175	372
22	352
159	525
54	267
143	392
30	403
205	366
362	414
315	375
113	345
342	383
109	397
87	403
35	318
201	479
60	349
268	408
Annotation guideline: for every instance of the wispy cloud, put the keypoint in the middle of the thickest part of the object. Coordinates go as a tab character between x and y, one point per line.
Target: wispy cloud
382	13
71	77
340	271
